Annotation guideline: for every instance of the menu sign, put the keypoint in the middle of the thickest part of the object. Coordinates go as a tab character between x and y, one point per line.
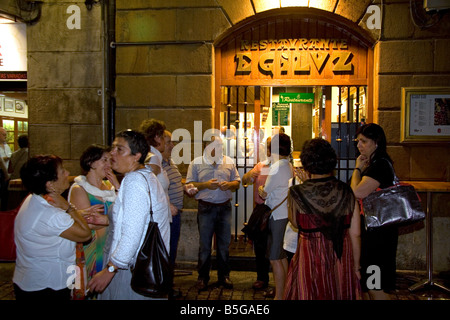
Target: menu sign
430	115
425	114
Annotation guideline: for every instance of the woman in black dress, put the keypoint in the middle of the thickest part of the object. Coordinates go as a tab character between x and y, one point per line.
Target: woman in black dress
378	246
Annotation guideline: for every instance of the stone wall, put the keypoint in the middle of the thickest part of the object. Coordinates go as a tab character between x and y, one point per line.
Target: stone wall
65	72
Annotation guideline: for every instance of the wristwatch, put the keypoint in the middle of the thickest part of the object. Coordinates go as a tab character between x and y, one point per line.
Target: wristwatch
112	268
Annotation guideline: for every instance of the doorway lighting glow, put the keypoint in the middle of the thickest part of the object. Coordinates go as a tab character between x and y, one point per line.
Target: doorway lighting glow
294	3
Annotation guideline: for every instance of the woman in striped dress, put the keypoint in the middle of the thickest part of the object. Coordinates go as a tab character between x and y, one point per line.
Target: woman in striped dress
324	209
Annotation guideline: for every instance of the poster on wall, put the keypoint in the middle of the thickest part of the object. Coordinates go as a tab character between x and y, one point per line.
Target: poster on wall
425	114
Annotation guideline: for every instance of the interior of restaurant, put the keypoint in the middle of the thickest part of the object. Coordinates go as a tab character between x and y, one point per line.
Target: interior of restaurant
13	80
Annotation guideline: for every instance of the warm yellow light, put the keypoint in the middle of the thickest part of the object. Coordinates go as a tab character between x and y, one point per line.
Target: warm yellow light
294	3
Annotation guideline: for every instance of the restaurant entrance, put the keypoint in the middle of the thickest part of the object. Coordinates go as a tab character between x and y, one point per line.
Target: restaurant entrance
301	70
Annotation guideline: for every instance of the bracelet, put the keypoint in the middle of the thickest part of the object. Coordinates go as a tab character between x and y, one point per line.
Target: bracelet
71	206
358	170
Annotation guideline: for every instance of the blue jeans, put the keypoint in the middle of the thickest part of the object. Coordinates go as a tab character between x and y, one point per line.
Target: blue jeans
214	220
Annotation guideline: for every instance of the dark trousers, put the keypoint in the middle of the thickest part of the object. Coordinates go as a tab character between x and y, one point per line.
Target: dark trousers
262	263
175	229
45	294
214	219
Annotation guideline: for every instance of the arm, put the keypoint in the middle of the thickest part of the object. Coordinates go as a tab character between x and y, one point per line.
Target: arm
136	202
79	198
355	237
229	185
364	186
113	179
212	184
291	212
79	231
250	176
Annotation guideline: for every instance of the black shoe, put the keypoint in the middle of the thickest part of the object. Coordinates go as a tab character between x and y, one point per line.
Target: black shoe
226	283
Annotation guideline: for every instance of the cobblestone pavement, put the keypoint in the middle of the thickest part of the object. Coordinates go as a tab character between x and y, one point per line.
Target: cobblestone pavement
185	281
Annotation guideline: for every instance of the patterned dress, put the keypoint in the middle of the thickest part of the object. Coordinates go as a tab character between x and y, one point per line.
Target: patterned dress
89	255
322	267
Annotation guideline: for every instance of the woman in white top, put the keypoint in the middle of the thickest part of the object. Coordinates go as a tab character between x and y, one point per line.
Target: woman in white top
275	191
155	132
46	230
139	192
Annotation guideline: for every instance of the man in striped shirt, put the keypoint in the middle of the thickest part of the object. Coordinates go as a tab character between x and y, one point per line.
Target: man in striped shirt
176	195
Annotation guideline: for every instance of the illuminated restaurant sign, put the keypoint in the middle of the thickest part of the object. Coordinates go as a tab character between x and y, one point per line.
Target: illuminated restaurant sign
294	56
13	52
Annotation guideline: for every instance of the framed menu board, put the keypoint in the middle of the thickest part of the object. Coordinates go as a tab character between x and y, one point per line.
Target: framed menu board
425	115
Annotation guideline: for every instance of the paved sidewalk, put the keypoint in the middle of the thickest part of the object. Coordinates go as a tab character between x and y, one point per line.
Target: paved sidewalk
185	280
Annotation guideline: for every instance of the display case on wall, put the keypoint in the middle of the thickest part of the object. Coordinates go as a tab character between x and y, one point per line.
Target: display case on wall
14	118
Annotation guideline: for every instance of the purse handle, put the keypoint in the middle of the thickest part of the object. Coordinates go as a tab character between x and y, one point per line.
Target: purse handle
149	194
396	180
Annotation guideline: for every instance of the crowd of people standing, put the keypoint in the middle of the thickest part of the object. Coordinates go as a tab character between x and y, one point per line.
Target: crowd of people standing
315	247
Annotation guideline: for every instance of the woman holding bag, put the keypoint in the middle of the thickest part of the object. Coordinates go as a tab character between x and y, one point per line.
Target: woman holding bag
378	246
130	217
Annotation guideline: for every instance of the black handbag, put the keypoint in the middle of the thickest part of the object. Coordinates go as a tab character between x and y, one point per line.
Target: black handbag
256	226
152	274
396	205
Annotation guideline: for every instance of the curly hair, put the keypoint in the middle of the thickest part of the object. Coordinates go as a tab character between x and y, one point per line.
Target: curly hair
318	156
152	128
38	170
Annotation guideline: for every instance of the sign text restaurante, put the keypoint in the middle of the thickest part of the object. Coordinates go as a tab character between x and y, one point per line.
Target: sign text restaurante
296	56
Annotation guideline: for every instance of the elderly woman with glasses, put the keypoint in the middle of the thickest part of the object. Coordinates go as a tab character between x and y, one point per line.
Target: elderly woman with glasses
139	192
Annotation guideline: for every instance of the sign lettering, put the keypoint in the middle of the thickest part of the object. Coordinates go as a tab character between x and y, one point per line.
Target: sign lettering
295	56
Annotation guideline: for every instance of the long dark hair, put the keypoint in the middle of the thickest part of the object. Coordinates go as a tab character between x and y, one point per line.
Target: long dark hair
376	133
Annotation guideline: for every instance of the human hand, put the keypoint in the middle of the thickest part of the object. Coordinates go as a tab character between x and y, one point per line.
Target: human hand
213	184
190	189
173	209
302	174
361	162
224	185
56	200
261	192
112	178
100	281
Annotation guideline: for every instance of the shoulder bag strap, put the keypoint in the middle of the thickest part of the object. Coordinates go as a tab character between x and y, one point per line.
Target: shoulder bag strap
396	180
278	205
149	194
